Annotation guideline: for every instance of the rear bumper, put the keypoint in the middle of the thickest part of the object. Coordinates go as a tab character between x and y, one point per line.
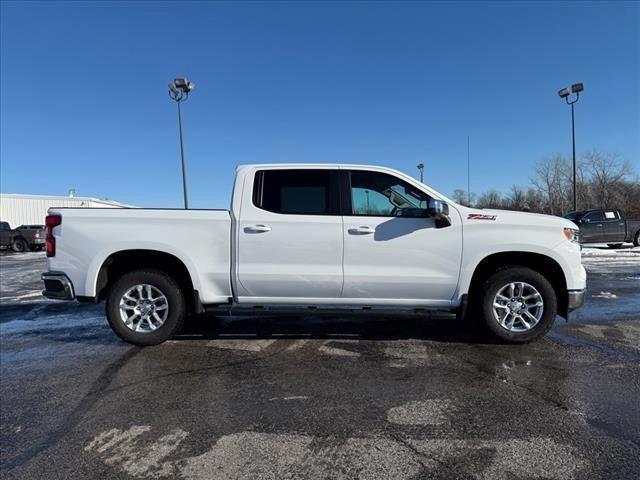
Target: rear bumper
576	298
57	286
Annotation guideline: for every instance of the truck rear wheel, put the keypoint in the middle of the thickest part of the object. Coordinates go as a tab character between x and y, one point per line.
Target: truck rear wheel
518	304
19	245
636	241
146	307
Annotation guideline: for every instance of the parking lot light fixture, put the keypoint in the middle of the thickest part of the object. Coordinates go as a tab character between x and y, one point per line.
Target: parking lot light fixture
565	93
179	91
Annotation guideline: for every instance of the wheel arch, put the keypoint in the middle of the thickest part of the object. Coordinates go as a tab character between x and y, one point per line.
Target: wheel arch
124	261
538	262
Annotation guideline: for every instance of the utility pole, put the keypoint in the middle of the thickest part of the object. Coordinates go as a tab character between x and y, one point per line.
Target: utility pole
468	174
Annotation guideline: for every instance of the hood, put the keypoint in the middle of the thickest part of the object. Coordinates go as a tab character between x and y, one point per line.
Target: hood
476	215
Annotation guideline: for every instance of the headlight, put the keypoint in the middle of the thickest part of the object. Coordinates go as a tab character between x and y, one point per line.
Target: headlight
572	234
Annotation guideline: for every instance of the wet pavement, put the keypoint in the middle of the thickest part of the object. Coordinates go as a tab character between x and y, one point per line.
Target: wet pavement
330	398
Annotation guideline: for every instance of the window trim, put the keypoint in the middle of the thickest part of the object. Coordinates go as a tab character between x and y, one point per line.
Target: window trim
335	191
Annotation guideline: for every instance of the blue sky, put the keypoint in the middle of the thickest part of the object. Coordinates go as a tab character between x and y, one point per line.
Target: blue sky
84	103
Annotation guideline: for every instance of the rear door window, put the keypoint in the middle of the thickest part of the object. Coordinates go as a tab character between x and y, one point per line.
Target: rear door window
297	191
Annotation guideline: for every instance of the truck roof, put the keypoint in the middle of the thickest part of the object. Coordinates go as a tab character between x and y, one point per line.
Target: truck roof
345	166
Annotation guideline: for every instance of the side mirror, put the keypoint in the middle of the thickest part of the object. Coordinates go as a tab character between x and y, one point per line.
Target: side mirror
585	220
440	212
437	208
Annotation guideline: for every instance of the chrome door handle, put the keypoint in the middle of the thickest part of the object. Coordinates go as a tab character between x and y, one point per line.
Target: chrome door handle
363	230
257	229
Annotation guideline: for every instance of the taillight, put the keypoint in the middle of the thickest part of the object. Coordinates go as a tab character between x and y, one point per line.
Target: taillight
50	246
37	234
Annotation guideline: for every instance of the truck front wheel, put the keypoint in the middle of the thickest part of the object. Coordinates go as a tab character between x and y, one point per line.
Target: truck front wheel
146	307
518	304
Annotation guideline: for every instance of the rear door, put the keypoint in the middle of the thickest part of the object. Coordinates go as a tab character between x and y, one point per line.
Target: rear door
614	228
290	237
392	254
592	227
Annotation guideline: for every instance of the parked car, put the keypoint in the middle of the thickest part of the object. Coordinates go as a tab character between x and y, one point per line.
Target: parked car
606	225
22	238
317	239
34	235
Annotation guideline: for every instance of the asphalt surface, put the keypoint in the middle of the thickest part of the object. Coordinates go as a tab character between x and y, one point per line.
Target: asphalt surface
298	398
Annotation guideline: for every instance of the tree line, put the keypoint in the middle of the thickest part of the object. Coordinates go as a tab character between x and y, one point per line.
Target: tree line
603	180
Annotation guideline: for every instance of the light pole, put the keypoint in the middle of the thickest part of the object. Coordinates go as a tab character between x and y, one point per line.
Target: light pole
179	90
421	168
564	93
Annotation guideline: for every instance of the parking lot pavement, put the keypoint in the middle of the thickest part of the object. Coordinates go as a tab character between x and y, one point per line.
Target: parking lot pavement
275	398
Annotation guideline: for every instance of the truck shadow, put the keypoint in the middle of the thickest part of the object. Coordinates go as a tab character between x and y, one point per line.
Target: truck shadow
442	328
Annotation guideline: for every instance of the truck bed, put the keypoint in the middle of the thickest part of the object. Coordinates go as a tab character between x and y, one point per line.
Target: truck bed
200	239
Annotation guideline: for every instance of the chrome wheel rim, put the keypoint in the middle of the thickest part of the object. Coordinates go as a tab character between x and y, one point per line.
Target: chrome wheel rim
143	308
518	307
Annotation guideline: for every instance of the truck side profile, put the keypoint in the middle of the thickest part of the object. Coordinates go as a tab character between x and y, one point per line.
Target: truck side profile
317	238
607	225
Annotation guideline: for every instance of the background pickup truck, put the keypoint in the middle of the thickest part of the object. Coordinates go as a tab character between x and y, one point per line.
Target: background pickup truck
22	238
606	226
315	239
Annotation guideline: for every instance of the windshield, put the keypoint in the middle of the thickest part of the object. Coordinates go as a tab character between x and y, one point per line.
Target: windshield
573	216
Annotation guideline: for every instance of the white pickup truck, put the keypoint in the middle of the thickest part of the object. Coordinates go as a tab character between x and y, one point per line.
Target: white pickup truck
317	238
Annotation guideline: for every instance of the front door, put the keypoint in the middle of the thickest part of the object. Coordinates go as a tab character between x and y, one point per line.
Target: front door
592	228
290	238
393	254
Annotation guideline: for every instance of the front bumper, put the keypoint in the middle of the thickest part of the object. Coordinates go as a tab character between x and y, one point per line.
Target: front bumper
576	298
57	286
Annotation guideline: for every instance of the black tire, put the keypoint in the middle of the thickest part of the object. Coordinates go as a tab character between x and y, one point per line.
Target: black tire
614	245
636	241
175	300
19	245
497	281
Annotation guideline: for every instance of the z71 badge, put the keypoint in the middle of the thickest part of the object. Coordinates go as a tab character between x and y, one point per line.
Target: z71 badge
480	216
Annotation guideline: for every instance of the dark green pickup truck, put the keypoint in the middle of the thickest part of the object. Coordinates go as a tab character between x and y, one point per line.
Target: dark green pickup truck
606	226
25	237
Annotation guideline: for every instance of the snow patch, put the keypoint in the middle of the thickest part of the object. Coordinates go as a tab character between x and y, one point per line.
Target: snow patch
605	295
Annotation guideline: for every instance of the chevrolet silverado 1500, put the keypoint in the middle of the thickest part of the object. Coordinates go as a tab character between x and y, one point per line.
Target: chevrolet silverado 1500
317	238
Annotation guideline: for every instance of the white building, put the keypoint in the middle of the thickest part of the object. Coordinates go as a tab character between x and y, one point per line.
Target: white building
20	209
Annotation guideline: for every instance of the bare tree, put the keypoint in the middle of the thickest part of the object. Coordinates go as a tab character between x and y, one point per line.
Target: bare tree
607	175
490	199
460	196
553	177
515	200
603	180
